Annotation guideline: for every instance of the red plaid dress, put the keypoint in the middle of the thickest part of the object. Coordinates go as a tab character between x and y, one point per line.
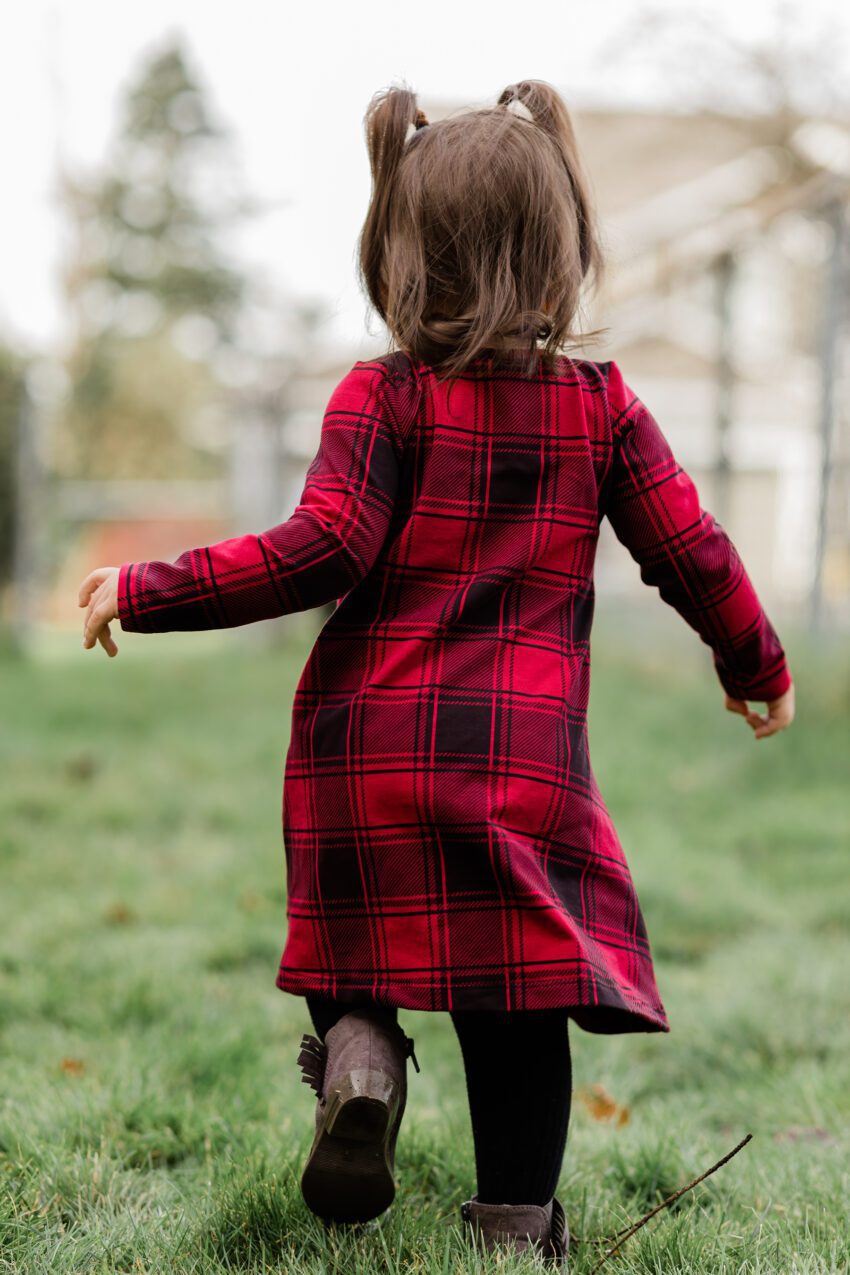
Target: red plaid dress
447	845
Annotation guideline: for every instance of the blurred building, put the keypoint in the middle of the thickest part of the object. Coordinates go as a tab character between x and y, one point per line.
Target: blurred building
723	305
715	303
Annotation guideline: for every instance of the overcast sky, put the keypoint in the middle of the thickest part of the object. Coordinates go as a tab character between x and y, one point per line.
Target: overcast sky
292	81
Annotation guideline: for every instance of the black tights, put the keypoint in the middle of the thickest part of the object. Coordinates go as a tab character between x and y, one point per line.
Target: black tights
519	1085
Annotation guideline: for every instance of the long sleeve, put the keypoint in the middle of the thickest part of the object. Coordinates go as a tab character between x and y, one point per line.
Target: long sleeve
316	556
655	511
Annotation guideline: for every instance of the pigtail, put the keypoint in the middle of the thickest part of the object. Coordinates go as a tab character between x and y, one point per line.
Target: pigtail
542	104
479	235
391	120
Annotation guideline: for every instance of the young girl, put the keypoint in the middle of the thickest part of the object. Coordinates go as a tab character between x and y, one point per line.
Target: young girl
447	846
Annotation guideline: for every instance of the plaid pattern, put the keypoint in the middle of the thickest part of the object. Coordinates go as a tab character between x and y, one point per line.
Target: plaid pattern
447	845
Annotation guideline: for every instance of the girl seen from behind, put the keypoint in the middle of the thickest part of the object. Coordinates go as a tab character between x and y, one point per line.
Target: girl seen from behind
447	846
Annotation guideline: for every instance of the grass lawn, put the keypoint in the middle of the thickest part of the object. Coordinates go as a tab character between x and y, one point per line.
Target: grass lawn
151	1112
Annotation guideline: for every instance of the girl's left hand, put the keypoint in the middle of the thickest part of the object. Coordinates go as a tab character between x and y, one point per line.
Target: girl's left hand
99	592
779	716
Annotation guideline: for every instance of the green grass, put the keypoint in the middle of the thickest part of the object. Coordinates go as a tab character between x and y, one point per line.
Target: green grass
151	1112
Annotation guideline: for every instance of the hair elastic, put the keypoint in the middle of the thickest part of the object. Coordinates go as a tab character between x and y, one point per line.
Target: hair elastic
415	125
518	107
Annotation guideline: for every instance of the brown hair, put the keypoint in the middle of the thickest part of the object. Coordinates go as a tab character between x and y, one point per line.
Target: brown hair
479	232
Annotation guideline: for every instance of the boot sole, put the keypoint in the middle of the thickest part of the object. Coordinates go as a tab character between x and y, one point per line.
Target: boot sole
348	1176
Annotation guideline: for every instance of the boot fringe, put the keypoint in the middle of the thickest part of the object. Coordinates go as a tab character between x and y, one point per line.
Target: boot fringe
559	1236
312	1060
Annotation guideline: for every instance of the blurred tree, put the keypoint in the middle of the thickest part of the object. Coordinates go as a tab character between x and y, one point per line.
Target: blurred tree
793	70
12	369
152	298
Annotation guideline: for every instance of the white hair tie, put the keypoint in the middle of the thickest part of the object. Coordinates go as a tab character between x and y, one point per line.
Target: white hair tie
411	129
519	108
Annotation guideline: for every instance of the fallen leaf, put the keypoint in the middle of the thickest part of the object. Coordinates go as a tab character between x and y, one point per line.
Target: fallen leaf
119	914
601	1105
81	766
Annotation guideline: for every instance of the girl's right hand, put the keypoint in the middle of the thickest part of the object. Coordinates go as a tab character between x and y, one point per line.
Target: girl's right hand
99	593
780	713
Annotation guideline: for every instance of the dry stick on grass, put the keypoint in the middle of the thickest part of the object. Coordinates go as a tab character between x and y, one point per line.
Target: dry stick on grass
627	1231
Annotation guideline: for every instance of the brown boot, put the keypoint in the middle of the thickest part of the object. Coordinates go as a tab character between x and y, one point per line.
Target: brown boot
543	1226
360	1077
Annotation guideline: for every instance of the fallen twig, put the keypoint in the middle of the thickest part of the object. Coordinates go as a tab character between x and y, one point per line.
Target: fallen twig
622	1235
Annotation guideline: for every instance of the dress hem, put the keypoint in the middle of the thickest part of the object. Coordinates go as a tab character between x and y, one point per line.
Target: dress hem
599	1018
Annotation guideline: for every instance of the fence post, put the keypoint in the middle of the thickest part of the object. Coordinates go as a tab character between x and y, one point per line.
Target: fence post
26	555
833	313
725	383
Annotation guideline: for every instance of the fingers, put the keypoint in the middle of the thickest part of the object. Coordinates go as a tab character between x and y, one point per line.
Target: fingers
768	726
95	617
779	715
107	641
92	581
98	593
762	723
97	622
